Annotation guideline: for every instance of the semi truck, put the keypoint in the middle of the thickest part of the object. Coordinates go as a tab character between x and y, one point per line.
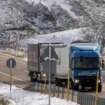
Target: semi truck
82	59
86	64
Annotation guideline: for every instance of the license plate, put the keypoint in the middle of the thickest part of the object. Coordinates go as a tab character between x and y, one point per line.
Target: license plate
88	87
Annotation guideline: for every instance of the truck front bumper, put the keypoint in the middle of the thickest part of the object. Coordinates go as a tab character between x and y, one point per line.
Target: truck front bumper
86	83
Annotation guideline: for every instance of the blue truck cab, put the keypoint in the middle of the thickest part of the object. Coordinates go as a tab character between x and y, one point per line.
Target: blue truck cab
85	64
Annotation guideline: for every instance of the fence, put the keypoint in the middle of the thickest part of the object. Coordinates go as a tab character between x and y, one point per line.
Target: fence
84	99
60	92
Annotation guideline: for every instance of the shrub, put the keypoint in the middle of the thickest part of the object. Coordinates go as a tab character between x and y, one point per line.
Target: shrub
4	101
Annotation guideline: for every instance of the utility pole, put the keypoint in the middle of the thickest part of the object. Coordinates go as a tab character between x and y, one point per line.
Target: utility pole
49	74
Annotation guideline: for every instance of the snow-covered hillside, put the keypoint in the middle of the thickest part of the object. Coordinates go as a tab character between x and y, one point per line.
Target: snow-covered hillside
11	20
69	14
32	17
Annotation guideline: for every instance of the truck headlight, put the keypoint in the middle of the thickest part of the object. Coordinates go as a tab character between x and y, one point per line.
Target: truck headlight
44	75
76	80
99	81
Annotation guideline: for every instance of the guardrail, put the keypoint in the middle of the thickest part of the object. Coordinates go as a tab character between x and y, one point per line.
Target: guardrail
60	92
103	75
85	99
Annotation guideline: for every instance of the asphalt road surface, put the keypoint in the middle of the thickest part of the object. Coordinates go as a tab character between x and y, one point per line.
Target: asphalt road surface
20	75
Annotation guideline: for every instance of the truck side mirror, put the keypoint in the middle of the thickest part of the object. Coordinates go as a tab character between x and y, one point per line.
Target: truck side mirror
103	65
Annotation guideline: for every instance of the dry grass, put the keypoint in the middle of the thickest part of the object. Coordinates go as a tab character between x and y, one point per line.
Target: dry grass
4	101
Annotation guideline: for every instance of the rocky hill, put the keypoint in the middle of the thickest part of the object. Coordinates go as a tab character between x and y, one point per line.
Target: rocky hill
30	17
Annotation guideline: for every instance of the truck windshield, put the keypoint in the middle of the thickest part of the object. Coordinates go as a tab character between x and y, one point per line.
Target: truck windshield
86	63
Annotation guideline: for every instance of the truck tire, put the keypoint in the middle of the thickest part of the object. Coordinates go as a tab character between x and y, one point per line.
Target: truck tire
60	82
56	82
73	87
33	79
99	88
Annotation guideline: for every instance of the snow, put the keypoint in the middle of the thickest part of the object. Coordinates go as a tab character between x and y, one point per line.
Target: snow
19	96
65	37
48	3
4	89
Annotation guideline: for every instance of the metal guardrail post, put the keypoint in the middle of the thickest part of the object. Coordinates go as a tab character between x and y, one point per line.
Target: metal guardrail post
96	98
63	93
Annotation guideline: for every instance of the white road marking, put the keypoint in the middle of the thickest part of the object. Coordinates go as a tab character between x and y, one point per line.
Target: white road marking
13	76
20	60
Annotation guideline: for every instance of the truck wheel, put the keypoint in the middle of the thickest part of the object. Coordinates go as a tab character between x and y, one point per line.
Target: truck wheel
99	88
33	79
56	82
72	85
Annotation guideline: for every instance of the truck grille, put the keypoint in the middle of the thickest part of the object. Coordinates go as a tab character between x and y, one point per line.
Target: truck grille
88	82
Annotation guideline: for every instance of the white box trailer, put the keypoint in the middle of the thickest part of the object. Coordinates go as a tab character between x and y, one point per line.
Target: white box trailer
61	75
38	62
63	61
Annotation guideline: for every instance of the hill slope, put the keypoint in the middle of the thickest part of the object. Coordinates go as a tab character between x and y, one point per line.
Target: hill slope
29	17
